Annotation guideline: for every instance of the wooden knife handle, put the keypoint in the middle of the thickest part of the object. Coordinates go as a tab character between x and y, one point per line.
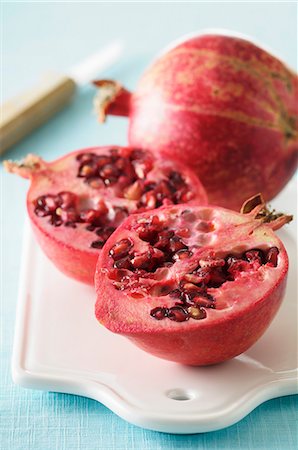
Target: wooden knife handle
24	113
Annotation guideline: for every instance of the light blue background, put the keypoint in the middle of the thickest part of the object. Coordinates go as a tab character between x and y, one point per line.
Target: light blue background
42	36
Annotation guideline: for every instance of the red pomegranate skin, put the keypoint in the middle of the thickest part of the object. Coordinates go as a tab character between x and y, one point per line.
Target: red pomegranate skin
224	107
245	307
67	247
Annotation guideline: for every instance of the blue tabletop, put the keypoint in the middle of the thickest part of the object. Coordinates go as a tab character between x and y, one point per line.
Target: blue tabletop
38	37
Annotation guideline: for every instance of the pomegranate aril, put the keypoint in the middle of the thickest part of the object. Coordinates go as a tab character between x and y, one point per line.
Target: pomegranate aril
109	172
41	212
255	255
164	239
51	202
91	216
196	313
176	244
182	254
121	249
97	244
217	277
55	220
142	261
123	263
87	170
194	278
134	192
67	199
159	313
183	233
204	301
95	182
178	314
176	179
66	216
272	257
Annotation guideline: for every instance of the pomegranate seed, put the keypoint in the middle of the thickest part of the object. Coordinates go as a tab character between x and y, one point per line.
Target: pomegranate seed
272	257
176	179
176	244
217	278
156	253
41	212
149	200
97	244
185	196
95	183
159	313
91	216
51	202
193	278
204	301
134	192
254	255
67	216
178	314
105	232
212	262
87	170
67	199
123	263
103	160
121	249
142	261
197	313
164	239
55	220
182	254
183	233
120	214
109	171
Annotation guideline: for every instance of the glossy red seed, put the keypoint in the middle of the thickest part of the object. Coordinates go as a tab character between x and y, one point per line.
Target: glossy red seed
159	313
178	314
272	256
121	249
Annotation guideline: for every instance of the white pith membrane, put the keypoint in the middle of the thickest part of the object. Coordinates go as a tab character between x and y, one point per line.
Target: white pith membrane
215	233
62	175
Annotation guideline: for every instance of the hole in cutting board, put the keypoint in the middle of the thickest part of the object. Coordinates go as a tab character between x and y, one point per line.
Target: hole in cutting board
180	395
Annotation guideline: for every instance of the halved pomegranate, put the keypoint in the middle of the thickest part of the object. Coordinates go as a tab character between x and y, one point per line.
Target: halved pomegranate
76	202
193	284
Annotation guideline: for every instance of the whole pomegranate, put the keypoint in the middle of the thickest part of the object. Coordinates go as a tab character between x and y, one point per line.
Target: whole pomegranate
221	105
76	202
193	284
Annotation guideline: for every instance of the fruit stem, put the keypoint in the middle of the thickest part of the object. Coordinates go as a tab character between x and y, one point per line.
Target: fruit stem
27	167
112	98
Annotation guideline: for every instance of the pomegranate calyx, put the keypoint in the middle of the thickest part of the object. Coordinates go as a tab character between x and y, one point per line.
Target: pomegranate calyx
27	167
257	207
111	98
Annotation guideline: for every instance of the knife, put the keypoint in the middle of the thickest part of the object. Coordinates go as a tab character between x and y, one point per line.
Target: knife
24	113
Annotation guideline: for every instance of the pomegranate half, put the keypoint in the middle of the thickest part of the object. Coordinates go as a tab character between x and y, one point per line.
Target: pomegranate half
76	202
221	105
193	284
